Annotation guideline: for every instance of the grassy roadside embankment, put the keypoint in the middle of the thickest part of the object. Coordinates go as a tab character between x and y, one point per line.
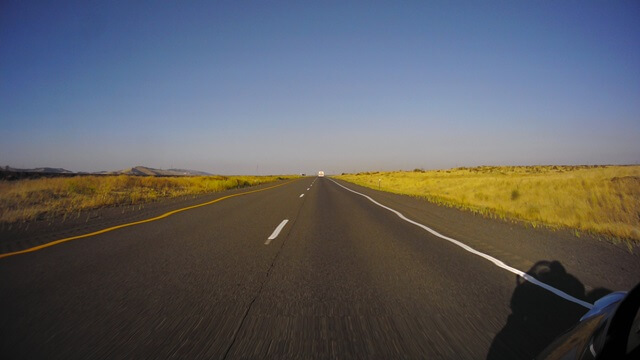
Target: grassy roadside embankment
602	200
49	198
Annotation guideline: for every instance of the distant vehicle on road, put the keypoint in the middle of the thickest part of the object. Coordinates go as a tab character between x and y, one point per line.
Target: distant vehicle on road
320	173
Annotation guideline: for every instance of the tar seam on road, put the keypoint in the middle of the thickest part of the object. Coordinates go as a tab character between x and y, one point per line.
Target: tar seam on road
167	214
276	232
273	264
468	248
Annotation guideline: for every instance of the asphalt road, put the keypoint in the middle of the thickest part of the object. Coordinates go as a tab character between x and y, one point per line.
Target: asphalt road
345	278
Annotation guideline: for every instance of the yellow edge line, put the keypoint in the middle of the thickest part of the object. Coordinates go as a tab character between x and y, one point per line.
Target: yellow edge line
167	214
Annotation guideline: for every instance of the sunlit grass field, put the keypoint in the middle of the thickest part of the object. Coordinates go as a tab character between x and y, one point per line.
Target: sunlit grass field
603	200
45	198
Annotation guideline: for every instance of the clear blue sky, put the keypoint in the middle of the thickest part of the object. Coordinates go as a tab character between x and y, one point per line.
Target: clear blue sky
233	87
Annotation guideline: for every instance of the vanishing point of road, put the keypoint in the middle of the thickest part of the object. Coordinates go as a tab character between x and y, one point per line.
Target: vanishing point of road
314	268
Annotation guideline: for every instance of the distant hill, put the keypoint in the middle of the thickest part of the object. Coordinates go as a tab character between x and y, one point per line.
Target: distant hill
7	172
190	172
46	170
147	171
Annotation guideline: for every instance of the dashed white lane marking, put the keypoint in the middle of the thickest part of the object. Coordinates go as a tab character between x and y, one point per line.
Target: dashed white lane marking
308	189
495	261
301	195
276	232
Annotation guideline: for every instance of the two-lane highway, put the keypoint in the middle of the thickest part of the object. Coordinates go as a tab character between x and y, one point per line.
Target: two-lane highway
304	270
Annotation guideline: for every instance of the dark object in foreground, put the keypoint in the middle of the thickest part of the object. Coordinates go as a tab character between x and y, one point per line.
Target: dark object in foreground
611	330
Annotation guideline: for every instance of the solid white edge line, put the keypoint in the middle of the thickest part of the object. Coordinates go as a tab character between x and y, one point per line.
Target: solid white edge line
301	195
495	261
276	232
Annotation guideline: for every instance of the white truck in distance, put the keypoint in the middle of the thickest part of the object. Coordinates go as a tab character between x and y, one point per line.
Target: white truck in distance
320	173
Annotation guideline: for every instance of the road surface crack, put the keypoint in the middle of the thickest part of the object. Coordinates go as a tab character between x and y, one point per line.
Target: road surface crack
264	282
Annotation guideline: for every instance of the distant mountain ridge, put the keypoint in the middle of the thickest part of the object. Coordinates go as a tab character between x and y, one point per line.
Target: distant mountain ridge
137	170
147	171
47	170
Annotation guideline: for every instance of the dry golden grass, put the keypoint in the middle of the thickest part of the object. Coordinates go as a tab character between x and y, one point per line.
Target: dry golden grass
30	199
603	200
